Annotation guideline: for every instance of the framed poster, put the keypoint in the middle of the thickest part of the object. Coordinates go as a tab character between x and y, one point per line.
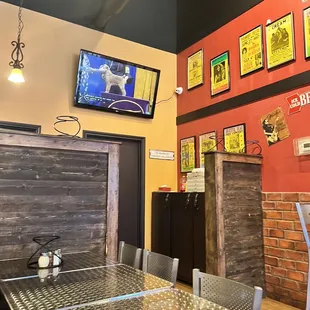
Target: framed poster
306	21
195	70
220	74
251	51
207	143
188	157
280	41
274	126
234	139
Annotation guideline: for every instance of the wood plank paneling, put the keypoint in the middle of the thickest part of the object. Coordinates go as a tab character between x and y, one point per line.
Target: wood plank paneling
234	240
34	203
211	216
51	191
243	223
40	164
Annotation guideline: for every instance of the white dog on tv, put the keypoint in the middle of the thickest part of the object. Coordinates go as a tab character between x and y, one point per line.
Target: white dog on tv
113	79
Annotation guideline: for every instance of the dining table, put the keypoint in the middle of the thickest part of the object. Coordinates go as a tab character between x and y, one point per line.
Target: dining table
90	281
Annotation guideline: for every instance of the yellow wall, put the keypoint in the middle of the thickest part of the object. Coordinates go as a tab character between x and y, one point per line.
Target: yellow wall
51	56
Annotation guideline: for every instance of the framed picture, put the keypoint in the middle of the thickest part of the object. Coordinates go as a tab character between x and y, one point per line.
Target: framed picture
251	51
306	21
207	143
195	70
274	126
220	74
188	157
235	139
280	41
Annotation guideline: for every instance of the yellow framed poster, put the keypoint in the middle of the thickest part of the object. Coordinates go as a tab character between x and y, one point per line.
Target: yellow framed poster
306	21
220	74
195	70
280	41
234	139
251	51
188	157
207	143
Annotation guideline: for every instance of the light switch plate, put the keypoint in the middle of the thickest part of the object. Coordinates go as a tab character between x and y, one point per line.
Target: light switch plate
302	146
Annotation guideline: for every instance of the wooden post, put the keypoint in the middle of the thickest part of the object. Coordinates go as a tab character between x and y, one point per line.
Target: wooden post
234	222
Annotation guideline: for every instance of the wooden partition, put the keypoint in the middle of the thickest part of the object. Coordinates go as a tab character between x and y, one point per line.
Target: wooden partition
57	186
234	219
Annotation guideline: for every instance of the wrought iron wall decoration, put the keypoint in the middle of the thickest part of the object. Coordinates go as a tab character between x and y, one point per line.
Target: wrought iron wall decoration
254	147
65	119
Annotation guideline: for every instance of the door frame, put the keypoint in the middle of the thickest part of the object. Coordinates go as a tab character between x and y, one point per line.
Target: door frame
98	135
4	125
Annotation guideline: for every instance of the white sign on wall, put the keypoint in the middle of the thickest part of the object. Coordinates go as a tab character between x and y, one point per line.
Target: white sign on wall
163	155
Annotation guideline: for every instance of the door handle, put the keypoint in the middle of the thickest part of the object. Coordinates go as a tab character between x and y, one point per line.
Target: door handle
196	203
187	201
166	201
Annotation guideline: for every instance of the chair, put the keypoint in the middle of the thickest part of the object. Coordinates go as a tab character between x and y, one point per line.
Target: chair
129	255
304	216
226	293
161	266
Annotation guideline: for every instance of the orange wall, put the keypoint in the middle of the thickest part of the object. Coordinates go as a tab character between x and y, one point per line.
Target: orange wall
51	58
282	171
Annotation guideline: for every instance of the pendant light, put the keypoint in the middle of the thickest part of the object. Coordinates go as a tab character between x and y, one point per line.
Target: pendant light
17	55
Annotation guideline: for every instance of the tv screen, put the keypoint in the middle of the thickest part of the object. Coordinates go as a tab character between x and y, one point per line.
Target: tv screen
113	85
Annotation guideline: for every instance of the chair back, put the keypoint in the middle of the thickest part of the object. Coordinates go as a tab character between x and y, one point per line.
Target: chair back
304	217
161	266
129	255
226	293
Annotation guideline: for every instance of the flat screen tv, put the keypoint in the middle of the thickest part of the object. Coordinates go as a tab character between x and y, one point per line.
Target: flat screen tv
113	85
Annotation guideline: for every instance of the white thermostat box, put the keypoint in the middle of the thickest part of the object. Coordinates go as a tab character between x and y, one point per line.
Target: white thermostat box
302	146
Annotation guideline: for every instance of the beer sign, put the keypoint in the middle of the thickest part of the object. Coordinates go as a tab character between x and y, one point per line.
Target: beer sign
296	102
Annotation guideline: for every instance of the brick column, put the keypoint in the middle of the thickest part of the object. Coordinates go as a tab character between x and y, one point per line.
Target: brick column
286	253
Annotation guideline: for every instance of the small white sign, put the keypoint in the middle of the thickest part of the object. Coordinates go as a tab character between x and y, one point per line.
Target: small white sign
164	155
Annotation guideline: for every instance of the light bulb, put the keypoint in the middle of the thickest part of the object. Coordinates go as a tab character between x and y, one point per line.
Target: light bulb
16	76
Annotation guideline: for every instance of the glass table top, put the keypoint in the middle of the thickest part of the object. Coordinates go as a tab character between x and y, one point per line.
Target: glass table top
172	299
72	289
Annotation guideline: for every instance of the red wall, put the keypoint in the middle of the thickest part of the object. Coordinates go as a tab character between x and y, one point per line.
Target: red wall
282	171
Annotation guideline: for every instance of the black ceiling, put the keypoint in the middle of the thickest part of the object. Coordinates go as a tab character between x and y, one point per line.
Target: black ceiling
149	22
198	18
170	25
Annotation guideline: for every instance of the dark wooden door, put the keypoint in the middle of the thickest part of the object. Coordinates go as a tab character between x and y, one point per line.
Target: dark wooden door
161	206
131	186
182	234
199	241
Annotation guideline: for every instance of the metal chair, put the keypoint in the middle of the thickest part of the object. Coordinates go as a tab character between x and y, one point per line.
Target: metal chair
129	255
226	293
304	216
161	266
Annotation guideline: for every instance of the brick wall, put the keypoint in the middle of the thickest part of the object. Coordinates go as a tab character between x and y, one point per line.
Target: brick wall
286	253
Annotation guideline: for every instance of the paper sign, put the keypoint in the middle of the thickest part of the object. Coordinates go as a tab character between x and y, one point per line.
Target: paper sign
163	155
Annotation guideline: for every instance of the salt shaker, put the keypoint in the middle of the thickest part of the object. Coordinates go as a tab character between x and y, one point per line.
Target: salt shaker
43	260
